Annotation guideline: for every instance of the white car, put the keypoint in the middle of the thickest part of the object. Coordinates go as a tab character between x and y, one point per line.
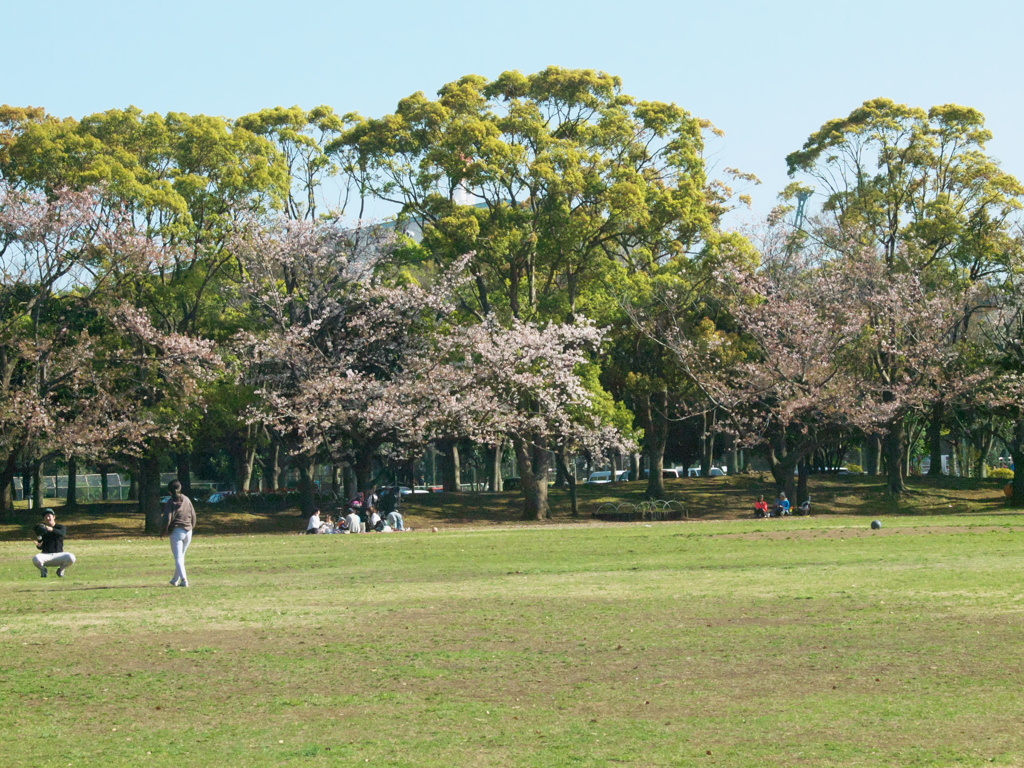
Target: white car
605	476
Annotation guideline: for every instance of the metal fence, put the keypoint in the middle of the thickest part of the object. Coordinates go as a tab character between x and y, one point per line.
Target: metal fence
624	511
87	488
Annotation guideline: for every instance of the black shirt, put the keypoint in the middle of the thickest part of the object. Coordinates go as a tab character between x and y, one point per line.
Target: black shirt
53	541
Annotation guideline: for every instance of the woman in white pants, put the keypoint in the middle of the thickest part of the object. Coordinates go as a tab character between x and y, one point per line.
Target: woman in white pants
181	519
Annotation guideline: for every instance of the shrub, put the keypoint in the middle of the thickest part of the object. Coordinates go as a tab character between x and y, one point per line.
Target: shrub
1001	473
854	469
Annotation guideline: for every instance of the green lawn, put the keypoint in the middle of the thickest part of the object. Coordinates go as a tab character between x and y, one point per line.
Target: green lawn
805	641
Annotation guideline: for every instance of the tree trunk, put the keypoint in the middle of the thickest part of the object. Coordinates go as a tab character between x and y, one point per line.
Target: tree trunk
1016	446
784	466
363	467
452	469
570	480
307	487
38	489
893	447
351	484
984	449
26	485
495	481
149	494
104	482
873	455
573	499
245	469
71	502
274	462
654	416
561	480
707	451
785	457
804	470
634	466
7	473
935	438
702	449
533	471
183	460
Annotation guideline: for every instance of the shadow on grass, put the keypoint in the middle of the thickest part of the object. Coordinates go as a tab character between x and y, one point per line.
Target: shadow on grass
720	498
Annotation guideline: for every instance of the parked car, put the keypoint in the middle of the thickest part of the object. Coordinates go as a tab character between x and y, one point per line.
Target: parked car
407	491
717	472
219	497
671	473
605	476
693	472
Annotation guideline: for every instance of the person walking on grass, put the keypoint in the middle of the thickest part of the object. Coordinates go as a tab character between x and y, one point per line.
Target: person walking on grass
181	519
50	542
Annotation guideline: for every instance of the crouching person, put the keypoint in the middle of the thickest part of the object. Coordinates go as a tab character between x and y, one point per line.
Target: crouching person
50	541
352	523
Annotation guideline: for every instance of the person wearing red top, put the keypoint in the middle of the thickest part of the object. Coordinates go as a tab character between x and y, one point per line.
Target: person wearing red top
761	508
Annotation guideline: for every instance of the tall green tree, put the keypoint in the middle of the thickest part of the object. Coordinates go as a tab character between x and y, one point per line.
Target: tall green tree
547	177
176	186
918	187
302	136
558	181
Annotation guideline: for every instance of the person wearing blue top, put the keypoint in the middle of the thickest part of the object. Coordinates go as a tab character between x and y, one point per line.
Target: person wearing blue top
782	505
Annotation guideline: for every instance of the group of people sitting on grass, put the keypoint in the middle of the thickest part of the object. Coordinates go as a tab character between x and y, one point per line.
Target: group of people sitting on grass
781	507
363	514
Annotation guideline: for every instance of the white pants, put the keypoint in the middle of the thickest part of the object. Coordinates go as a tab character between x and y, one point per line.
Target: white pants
180	539
56	560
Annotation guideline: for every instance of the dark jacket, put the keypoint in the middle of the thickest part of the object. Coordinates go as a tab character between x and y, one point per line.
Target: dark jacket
53	541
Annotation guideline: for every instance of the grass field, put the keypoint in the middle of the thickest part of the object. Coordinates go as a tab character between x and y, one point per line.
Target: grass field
794	642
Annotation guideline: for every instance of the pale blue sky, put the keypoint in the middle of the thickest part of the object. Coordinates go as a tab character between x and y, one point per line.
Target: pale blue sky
767	73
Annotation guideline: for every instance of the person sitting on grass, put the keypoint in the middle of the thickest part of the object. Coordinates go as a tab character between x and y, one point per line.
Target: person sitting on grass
313	526
327	526
352	523
395	521
781	505
373	521
761	507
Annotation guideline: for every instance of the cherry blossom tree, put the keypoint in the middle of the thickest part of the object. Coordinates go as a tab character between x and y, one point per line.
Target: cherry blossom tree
67	385
156	378
820	349
339	360
352	361
532	375
50	249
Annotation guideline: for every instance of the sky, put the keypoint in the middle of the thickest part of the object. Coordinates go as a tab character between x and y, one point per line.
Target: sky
767	73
